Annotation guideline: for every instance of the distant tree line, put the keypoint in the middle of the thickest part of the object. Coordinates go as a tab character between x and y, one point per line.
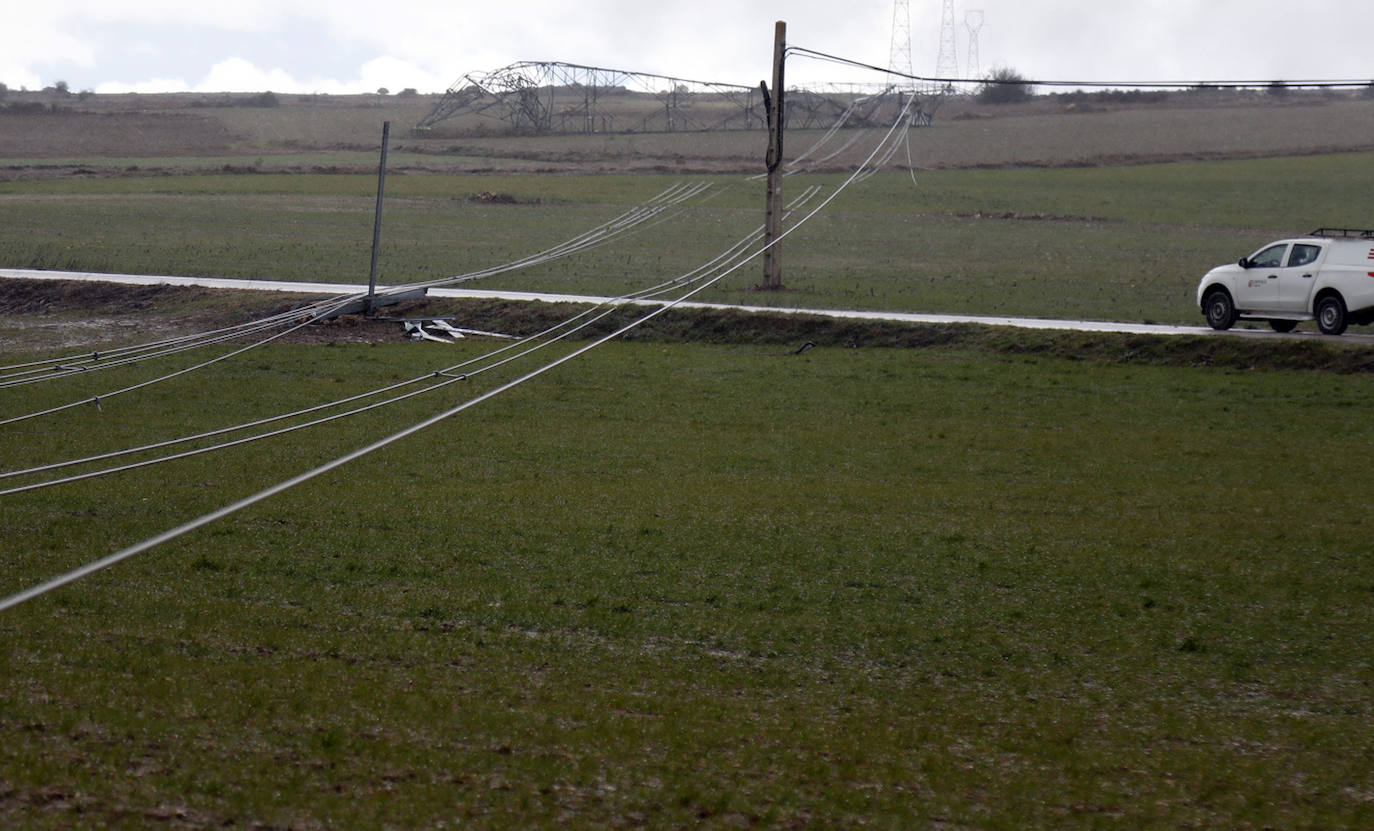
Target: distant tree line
1115	96
1007	86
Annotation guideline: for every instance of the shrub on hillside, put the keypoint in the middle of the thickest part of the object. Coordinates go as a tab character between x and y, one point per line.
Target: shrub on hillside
1005	86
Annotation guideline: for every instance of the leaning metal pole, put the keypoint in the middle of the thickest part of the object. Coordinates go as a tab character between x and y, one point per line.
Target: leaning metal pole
772	223
377	224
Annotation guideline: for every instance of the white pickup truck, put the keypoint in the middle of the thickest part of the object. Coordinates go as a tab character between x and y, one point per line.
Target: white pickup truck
1327	275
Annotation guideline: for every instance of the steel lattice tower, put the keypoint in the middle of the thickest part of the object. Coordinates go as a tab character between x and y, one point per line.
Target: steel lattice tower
973	21
947	64
900	59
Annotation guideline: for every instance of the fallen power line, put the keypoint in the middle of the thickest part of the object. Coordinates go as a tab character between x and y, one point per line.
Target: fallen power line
730	264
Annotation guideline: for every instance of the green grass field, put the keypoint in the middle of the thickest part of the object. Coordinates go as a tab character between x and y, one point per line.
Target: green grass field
993	579
681	584
1098	243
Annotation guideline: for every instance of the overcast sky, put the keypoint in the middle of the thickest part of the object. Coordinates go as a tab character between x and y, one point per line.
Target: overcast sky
335	46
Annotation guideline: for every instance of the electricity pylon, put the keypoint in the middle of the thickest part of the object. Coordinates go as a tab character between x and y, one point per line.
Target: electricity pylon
899	61
973	21
947	62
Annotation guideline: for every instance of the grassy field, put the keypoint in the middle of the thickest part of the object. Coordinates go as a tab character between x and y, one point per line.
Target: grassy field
1058	208
1125	243
109	132
994	579
681	584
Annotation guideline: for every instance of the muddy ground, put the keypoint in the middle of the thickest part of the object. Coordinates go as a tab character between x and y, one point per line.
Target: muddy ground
41	316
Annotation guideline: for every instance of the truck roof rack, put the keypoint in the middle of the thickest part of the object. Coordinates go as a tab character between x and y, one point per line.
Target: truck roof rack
1344	233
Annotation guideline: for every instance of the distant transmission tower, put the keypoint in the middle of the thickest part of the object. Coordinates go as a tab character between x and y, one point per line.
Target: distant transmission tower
947	63
900	59
973	21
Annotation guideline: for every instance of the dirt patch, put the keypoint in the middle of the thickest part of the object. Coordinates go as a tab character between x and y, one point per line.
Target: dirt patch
486	197
1036	217
72	313
42	313
55	297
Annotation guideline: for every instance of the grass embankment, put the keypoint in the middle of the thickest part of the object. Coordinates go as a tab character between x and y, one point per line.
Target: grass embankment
671	584
1102	243
64	316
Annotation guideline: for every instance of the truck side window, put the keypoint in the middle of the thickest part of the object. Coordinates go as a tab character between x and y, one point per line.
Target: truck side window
1303	254
1271	257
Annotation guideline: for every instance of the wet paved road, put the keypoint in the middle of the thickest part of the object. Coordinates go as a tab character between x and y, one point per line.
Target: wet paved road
1306	331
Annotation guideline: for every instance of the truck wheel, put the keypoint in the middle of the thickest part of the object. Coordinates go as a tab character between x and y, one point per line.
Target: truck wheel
1331	316
1220	309
1283	325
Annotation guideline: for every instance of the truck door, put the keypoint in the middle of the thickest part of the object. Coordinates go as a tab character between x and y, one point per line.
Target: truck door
1297	276
1257	290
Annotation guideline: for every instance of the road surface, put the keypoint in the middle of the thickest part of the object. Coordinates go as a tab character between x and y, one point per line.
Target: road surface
905	317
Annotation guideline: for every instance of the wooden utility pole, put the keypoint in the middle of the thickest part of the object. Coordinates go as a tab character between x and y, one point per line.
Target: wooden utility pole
369	306
772	222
